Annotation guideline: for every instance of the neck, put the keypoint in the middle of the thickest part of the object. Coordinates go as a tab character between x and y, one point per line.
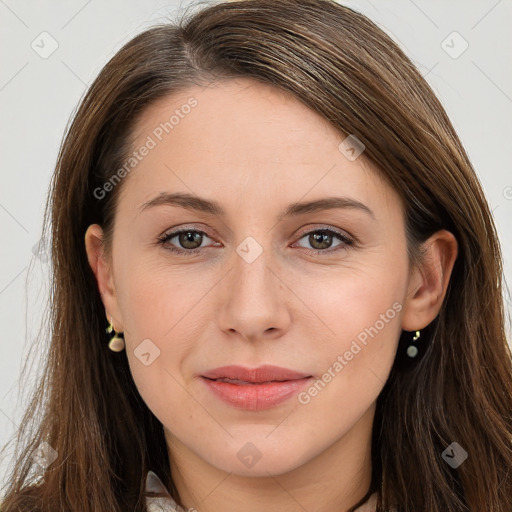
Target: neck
333	481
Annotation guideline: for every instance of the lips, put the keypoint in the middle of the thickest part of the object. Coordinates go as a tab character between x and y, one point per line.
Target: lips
254	389
266	373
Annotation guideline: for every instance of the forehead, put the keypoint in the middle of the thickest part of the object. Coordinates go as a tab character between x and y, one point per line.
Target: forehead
245	135
226	110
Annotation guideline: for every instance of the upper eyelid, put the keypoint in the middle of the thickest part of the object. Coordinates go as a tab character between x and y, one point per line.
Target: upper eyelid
318	227
338	231
176	231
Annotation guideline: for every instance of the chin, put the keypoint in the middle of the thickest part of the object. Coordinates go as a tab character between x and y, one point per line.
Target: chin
260	458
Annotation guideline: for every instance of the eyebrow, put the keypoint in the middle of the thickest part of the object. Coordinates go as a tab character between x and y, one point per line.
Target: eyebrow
196	203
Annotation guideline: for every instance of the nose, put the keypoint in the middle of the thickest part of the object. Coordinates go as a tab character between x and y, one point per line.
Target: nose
254	298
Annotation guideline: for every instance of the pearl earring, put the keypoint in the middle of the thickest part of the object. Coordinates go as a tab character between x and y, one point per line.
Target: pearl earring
412	350
116	344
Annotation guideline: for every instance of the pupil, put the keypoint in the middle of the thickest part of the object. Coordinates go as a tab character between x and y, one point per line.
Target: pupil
317	237
188	237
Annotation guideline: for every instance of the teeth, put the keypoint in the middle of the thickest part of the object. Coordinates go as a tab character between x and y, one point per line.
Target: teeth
234	381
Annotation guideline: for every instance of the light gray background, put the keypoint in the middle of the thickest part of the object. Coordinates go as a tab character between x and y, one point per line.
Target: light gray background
38	95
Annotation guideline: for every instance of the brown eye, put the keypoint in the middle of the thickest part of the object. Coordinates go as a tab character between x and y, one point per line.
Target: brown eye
187	241
321	241
190	239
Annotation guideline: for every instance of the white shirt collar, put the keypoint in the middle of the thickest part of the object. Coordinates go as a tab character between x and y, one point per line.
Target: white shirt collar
159	499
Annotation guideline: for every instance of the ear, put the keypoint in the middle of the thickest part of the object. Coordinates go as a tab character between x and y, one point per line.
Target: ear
429	280
102	270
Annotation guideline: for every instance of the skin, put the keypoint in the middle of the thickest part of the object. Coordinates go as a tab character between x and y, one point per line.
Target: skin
255	150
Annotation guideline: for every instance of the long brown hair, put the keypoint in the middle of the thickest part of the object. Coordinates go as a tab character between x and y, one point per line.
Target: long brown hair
342	66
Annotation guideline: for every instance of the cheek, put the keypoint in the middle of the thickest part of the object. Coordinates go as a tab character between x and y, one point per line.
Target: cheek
354	367
153	298
164	318
357	315
346	303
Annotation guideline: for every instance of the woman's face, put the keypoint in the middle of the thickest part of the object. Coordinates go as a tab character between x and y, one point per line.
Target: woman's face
317	290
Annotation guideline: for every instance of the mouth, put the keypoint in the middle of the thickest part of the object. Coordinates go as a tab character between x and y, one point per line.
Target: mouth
244	382
254	389
265	373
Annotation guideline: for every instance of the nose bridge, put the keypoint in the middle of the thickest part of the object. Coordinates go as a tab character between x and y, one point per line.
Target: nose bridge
252	303
252	274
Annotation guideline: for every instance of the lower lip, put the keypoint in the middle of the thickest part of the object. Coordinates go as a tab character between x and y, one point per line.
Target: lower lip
256	397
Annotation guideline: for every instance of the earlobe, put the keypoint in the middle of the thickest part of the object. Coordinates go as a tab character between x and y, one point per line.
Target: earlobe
103	272
429	281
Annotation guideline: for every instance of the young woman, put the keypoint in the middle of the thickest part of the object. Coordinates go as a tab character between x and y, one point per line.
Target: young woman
271	205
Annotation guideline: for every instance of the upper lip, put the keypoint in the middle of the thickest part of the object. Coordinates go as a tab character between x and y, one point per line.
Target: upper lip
265	373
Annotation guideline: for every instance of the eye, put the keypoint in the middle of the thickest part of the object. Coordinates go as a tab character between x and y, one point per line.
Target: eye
189	239
322	239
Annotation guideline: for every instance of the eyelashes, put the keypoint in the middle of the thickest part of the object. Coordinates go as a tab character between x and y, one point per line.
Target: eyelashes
320	235
167	237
